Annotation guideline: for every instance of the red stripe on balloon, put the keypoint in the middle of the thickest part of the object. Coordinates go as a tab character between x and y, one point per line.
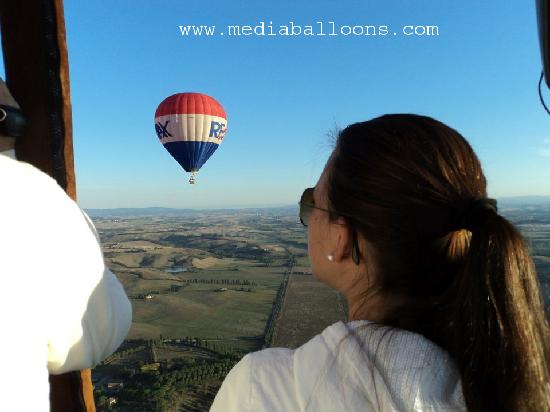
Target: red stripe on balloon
190	103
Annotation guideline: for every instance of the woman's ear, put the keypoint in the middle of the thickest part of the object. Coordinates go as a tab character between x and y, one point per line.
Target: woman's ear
343	239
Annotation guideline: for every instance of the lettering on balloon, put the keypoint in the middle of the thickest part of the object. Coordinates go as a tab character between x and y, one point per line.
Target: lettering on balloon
162	130
217	130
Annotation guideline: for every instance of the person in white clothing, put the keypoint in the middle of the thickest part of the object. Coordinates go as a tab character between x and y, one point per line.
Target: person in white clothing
444	303
61	309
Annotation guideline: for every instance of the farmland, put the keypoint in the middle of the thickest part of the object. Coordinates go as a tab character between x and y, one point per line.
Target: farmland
205	288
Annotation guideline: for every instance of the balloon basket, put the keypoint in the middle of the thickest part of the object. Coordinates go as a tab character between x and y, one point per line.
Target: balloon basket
193	178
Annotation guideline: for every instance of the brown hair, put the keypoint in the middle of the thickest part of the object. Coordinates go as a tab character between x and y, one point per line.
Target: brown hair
403	182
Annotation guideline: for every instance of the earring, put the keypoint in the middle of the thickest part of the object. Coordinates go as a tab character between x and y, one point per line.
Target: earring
330	258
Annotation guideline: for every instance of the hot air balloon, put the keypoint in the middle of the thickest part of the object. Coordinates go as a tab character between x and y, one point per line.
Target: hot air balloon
191	127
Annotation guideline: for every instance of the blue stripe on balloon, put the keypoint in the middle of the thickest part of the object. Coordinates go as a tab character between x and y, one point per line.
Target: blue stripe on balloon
191	155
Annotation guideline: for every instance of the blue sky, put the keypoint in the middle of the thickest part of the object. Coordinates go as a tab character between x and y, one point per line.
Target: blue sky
283	94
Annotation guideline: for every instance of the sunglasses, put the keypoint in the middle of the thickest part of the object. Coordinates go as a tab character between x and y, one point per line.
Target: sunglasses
307	204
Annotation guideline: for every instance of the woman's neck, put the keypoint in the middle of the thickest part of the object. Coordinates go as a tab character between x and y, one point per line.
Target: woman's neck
373	306
364	309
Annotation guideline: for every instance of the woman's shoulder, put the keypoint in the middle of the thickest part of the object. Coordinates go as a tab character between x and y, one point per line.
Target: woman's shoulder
398	347
362	362
376	340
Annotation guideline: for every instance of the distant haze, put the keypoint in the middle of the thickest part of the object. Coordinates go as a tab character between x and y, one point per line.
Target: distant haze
518	201
504	202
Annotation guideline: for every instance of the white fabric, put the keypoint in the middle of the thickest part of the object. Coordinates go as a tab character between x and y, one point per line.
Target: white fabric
60	308
358	366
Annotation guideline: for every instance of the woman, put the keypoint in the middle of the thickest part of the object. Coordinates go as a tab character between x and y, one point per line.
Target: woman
443	297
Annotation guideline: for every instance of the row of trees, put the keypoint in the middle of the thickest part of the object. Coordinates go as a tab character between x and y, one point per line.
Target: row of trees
278	302
121	354
217	345
238	282
275	311
177	288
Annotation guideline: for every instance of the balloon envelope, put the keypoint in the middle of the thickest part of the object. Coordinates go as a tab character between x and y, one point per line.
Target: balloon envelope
191	127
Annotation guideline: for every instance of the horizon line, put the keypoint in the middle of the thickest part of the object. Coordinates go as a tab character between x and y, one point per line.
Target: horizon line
524	198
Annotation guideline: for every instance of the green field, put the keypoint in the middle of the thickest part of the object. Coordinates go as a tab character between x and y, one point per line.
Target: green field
203	311
309	307
145	256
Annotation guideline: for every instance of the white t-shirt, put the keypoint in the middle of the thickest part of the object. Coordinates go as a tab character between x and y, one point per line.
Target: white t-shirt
61	309
358	366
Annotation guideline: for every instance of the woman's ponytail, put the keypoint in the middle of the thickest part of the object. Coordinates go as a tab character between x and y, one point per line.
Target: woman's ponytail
500	336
